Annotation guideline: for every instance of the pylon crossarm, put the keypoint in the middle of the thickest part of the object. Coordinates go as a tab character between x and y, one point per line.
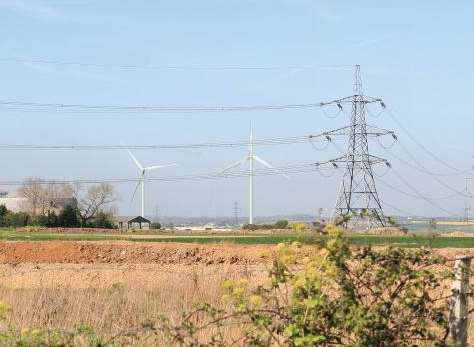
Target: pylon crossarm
348	130
376	131
350	99
371	159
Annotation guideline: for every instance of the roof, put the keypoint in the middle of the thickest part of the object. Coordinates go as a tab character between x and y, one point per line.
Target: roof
139	219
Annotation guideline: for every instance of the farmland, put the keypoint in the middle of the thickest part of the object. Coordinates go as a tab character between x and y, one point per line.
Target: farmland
114	282
239	237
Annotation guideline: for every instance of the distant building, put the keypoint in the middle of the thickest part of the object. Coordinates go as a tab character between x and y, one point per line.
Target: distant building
13	202
17	203
139	222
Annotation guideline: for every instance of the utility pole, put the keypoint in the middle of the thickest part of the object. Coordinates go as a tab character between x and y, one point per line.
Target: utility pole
157	214
358	199
467	211
320	214
236	210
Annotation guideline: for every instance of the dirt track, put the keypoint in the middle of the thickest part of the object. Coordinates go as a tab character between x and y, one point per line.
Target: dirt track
119	252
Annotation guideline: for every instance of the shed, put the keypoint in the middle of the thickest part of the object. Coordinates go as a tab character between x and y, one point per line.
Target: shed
136	220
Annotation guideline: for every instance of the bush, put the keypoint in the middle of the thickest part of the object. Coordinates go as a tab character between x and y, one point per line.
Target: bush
50	220
250	227
281	224
101	220
298	227
17	220
155	225
68	217
343	296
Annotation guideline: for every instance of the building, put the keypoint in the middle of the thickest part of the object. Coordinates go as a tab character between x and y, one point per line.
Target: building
13	202
132	223
17	203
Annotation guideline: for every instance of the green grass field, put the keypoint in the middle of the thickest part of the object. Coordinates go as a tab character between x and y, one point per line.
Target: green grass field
404	241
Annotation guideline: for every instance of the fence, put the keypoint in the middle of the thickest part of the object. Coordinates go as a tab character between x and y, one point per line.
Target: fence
458	322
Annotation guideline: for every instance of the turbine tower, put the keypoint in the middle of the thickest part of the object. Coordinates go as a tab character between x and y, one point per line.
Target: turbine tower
251	157
358	197
141	179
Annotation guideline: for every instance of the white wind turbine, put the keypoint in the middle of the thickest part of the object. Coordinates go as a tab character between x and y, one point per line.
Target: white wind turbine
141	179
251	157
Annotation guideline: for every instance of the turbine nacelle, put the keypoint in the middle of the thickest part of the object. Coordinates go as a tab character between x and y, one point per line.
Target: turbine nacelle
141	178
251	157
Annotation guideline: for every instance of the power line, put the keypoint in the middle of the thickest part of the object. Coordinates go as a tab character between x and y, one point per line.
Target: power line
37	106
399	210
172	67
424	170
420	166
242	143
431	154
421	196
289	169
413	195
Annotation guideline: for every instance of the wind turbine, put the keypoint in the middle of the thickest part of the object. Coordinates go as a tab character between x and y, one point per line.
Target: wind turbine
250	157
141	179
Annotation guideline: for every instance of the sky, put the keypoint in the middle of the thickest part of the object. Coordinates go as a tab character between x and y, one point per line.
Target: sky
417	56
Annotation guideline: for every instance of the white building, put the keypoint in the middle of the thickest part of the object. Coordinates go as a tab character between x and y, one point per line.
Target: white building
13	202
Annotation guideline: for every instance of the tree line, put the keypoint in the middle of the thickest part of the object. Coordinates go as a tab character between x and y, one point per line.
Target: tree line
52	204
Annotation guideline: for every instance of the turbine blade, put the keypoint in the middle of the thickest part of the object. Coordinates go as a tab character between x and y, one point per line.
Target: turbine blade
231	166
264	163
135	160
135	191
159	166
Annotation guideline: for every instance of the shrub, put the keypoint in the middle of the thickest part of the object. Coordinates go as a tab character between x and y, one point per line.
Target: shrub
101	220
281	224
343	296
69	217
298	227
155	225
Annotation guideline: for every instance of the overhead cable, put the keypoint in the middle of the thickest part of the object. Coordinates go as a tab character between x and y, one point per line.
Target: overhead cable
421	196
289	169
419	144
171	66
38	106
238	143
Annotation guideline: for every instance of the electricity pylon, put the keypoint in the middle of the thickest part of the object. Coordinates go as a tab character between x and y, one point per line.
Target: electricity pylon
236	210
358	197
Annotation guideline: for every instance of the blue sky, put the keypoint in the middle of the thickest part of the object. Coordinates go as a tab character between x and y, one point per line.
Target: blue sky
416	55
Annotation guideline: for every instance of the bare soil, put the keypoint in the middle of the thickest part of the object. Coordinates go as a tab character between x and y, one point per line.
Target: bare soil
122	252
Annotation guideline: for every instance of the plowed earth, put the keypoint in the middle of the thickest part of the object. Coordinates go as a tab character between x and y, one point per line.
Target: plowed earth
87	252
122	252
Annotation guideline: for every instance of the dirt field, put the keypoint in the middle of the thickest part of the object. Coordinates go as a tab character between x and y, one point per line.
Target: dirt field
122	252
113	286
128	253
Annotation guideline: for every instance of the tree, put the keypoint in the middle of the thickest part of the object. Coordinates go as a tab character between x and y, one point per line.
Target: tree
3	215
19	219
68	217
102	220
44	197
95	199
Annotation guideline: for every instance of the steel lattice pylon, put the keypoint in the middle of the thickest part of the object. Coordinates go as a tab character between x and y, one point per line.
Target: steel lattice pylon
358	197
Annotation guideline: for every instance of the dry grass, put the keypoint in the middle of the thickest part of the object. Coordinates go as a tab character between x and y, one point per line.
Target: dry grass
110	298
114	297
